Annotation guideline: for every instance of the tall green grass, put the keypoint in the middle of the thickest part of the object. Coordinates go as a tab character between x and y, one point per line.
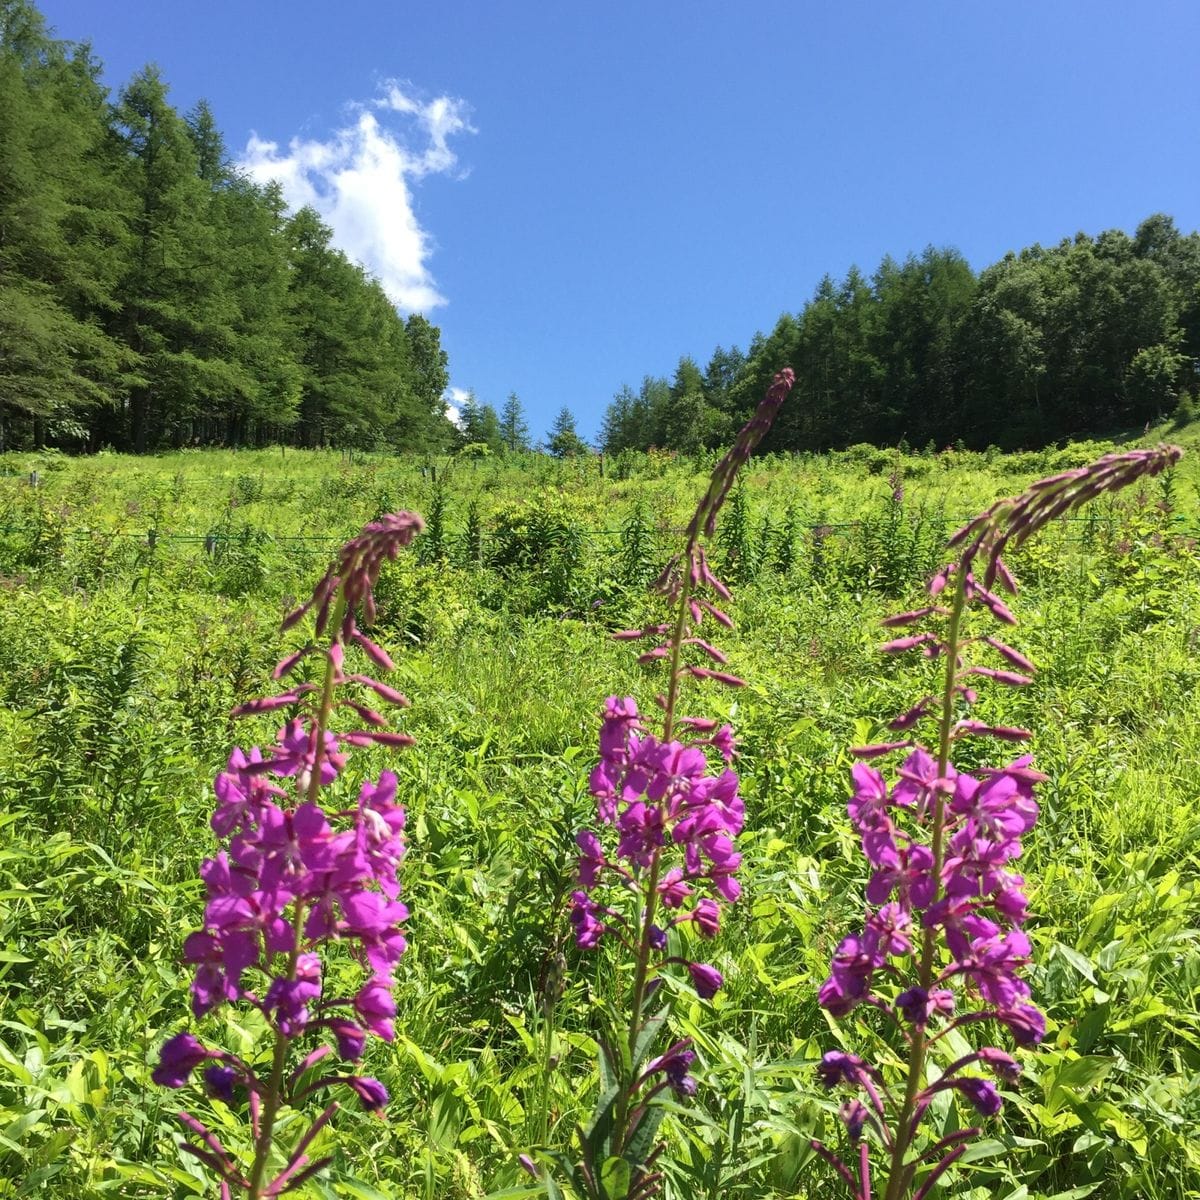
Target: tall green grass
119	661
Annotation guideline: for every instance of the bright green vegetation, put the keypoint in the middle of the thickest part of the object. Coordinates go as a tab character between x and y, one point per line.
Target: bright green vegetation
1094	333
151	295
120	658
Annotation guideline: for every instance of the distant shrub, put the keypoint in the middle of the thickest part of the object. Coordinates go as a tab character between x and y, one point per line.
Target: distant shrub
1186	410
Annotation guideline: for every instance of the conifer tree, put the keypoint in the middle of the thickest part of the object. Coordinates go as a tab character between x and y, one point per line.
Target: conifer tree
514	430
563	441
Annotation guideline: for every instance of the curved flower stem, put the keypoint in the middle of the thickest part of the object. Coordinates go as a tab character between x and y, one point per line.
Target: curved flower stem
641	975
321	724
274	1091
685	595
839	1166
905	1128
270	1106
650	905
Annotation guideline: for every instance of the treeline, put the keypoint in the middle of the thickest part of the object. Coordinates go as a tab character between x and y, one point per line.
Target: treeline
1089	336
150	295
482	430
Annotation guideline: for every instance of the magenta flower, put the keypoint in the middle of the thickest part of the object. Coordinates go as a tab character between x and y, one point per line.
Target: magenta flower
868	805
585	916
940	841
351	1037
376	1007
241	791
292	877
673	891
296	752
854	1115
179	1057
674	1065
667	819
981	1093
371	1092
992	965
591	858
706	979
707	917
658	795
918	1004
838	1067
219	1081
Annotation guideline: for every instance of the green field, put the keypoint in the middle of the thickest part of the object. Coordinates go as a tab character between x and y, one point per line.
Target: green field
141	600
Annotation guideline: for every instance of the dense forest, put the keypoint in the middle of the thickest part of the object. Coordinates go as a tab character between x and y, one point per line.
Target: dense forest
1091	335
152	296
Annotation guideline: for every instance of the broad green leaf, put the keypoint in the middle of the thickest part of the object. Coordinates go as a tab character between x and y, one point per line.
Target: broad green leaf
615	1177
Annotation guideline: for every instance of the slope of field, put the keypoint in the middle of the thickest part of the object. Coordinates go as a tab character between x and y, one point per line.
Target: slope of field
141	600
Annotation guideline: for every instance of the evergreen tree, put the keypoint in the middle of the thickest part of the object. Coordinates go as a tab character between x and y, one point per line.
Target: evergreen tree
766	356
563	441
468	418
479	425
429	377
212	159
57	363
356	363
649	416
617	428
489	429
1178	257
514	431
171	317
150	295
686	421
264	385
1002	348
719	377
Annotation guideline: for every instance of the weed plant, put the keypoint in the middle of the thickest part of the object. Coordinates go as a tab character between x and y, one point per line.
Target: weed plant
121	657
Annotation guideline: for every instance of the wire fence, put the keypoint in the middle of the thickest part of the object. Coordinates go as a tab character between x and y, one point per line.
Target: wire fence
212	539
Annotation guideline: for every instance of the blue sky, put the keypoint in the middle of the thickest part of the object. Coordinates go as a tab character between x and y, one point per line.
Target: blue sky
579	194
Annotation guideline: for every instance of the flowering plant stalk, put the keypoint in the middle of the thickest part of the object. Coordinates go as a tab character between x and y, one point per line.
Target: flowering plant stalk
663	860
293	878
942	947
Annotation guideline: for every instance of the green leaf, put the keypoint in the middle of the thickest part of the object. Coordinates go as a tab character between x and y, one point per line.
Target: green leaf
615	1178
1080	962
599	1133
607	1065
359	1190
645	1039
641	1141
1080	1074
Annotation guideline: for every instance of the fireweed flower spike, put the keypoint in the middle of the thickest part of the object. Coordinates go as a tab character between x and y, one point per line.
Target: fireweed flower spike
662	860
942	947
291	878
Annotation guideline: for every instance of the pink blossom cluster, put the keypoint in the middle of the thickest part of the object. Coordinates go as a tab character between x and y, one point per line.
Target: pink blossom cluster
664	856
289	878
974	904
657	797
942	944
293	877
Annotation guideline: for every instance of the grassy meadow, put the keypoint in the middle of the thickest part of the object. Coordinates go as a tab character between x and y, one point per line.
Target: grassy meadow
140	600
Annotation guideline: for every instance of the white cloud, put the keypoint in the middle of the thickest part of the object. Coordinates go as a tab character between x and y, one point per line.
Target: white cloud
359	181
454	398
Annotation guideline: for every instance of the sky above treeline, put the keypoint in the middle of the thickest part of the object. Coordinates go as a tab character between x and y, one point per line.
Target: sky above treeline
579	194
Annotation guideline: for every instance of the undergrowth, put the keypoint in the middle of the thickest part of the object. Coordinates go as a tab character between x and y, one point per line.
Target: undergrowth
121	655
